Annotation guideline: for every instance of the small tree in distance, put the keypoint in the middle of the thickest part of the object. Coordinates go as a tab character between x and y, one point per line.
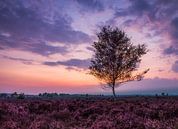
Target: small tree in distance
116	58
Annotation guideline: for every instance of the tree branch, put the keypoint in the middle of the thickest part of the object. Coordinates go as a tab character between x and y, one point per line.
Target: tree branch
137	77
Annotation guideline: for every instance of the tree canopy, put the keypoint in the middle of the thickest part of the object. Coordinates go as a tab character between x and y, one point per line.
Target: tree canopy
116	58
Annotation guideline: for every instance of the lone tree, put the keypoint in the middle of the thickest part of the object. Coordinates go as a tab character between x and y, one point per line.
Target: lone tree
116	58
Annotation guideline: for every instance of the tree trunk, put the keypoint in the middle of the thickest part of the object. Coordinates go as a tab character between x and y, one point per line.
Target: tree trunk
113	91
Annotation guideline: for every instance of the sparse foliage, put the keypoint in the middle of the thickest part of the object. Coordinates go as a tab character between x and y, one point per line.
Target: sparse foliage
116	58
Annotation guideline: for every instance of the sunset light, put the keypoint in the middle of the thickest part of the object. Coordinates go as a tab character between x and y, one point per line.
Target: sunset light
45	46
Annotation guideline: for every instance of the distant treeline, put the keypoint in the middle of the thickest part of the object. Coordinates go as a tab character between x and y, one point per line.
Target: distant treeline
65	95
56	95
45	95
13	95
52	94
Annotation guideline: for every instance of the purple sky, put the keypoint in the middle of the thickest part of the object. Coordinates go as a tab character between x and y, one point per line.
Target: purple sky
45	46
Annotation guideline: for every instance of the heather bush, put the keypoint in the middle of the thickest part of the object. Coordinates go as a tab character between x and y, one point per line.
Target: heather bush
103	125
61	115
9	125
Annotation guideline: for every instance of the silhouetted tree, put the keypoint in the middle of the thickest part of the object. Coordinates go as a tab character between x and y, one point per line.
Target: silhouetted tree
163	94
116	58
14	95
21	96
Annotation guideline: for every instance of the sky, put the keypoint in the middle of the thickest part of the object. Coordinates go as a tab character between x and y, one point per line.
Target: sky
45	45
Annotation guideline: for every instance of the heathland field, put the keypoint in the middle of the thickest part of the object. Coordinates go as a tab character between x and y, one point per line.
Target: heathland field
90	113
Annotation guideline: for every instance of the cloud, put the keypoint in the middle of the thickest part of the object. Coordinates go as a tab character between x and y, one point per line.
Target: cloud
135	8
24	61
175	66
33	25
150	86
156	10
174	28
91	5
78	63
1	48
171	50
161	14
90	48
138	7
30	26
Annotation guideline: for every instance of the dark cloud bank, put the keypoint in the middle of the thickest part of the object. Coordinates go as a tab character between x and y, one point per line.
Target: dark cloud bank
175	67
24	26
72	63
22	60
